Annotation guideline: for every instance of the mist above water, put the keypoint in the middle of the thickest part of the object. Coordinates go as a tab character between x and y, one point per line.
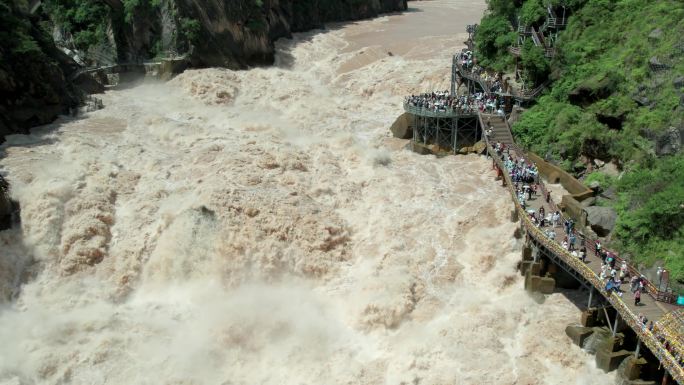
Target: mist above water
260	227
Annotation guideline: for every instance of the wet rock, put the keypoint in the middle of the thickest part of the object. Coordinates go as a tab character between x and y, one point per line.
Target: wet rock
5	205
601	219
401	127
420	149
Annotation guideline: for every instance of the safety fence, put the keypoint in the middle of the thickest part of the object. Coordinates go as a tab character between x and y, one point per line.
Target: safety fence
447	112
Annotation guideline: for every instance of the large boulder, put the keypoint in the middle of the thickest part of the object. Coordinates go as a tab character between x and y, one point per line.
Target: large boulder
601	219
401	127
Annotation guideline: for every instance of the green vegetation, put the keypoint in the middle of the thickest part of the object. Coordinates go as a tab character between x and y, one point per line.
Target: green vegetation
610	103
21	39
652	217
85	20
535	63
190	29
494	36
532	12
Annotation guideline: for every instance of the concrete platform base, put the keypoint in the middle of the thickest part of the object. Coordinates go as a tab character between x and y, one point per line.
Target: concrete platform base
530	266
631	368
547	285
578	333
544	285
609	361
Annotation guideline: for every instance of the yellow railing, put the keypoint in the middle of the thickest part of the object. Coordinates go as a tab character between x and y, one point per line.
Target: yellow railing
668	361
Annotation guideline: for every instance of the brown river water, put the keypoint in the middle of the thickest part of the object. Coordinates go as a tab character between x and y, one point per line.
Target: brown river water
261	227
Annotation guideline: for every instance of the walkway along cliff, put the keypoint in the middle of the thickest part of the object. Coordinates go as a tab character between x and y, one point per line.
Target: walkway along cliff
543	256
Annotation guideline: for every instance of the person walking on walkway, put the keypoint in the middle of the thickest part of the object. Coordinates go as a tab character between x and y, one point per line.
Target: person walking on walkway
572	239
633	283
637	297
556	219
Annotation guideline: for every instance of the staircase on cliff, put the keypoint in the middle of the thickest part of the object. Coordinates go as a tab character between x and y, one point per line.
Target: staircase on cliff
500	130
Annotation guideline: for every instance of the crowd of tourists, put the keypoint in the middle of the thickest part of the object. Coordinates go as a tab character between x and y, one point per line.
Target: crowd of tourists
467	61
525	177
443	101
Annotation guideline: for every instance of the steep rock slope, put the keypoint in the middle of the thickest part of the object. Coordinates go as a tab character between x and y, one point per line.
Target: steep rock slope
33	73
227	33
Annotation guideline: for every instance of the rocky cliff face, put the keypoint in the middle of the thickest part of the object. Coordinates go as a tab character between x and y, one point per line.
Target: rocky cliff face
33	73
35	76
237	39
227	33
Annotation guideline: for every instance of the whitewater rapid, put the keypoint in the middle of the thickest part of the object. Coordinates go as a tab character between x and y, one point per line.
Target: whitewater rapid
261	227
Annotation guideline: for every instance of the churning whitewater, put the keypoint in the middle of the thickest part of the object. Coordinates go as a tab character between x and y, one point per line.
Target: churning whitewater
260	227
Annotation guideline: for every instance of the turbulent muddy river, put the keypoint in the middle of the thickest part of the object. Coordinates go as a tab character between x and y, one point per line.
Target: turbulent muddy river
261	227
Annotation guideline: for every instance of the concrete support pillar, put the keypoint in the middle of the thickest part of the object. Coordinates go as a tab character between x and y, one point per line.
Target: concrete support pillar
638	347
617	319
578	334
631	369
588	318
591	294
666	379
527	252
608	357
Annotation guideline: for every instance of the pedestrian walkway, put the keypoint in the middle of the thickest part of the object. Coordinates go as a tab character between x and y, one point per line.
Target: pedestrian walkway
662	345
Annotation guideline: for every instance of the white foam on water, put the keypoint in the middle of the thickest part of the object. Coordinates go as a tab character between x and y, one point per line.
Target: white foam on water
254	227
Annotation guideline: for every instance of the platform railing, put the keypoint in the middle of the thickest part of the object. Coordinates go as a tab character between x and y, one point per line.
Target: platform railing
443	113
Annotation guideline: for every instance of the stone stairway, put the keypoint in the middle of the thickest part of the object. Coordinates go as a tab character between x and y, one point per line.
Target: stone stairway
500	131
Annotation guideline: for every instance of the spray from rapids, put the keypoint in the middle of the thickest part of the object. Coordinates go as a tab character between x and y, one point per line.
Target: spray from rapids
260	227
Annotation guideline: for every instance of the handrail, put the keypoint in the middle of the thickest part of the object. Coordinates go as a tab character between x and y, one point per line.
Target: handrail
668	361
535	38
448	113
472	76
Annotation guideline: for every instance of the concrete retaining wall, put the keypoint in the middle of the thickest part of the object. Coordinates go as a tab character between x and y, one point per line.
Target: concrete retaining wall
555	174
